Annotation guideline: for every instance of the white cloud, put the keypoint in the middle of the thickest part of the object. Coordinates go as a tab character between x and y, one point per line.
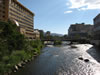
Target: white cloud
84	4
67	4
66	12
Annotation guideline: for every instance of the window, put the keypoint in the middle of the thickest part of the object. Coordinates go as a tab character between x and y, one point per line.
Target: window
3	11
3	16
3	7
4	3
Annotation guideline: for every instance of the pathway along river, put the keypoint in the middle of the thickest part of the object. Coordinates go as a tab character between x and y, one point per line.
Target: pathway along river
64	60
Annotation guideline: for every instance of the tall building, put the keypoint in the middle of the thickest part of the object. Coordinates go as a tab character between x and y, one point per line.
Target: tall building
80	31
97	27
96	30
23	17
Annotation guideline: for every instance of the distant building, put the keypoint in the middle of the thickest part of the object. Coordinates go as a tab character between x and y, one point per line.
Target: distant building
97	27
23	17
37	34
41	34
80	31
96	39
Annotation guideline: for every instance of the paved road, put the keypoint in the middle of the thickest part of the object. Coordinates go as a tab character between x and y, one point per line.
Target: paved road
64	61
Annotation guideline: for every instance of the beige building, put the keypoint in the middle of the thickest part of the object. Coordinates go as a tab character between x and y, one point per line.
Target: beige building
37	34
23	17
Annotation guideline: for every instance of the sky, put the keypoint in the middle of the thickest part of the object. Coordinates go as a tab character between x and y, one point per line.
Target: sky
57	15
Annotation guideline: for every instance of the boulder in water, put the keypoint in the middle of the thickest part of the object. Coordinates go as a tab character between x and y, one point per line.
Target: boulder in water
80	58
86	60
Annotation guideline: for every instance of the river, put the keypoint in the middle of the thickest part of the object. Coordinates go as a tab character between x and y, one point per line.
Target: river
64	60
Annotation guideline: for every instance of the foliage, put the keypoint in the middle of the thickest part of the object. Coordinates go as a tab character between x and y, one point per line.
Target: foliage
58	42
37	45
41	34
10	36
14	48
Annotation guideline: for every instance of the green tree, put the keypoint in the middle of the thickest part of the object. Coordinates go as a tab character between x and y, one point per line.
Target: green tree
14	48
10	36
48	35
41	34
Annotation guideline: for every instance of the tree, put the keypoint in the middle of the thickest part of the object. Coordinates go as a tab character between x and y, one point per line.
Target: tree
48	35
41	34
10	36
65	37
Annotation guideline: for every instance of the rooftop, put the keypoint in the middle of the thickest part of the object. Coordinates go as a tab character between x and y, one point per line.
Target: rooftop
24	7
97	16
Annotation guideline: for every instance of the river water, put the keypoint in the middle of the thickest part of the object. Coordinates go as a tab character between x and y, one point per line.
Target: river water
64	60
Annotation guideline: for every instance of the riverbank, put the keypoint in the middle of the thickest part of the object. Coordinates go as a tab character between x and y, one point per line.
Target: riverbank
15	49
17	59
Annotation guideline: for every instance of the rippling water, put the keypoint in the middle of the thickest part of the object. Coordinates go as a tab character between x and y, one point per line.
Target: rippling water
64	60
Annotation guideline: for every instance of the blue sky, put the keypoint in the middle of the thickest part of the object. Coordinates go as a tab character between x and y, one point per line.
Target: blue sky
57	15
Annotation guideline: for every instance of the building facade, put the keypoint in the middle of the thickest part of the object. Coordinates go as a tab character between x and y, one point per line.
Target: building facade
80	31
97	27
16	12
96	39
37	34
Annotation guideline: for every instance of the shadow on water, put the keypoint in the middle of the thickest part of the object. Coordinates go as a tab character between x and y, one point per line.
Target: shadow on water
95	53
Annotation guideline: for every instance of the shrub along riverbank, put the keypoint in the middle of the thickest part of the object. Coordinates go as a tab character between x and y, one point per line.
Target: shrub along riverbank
57	42
14	48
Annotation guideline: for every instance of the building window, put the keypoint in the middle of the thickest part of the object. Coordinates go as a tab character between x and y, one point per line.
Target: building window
3	16
3	7
3	11
4	3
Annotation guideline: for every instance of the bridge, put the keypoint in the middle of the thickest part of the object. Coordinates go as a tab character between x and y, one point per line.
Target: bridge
71	40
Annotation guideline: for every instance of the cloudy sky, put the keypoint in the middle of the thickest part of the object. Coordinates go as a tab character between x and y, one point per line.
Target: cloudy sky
57	15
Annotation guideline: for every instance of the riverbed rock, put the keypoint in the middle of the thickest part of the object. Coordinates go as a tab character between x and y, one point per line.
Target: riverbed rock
32	58
15	71
80	58
35	55
86	60
16	67
26	61
6	74
73	46
20	65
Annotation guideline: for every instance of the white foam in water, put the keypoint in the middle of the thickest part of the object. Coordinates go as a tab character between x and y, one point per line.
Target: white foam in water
56	55
50	45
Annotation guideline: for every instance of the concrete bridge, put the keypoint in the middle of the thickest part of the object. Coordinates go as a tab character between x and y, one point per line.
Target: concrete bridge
50	41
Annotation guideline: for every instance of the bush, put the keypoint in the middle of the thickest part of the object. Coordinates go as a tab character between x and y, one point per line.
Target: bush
37	45
57	42
10	35
14	47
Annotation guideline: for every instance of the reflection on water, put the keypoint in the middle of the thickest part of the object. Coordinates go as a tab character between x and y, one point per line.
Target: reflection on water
63	61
